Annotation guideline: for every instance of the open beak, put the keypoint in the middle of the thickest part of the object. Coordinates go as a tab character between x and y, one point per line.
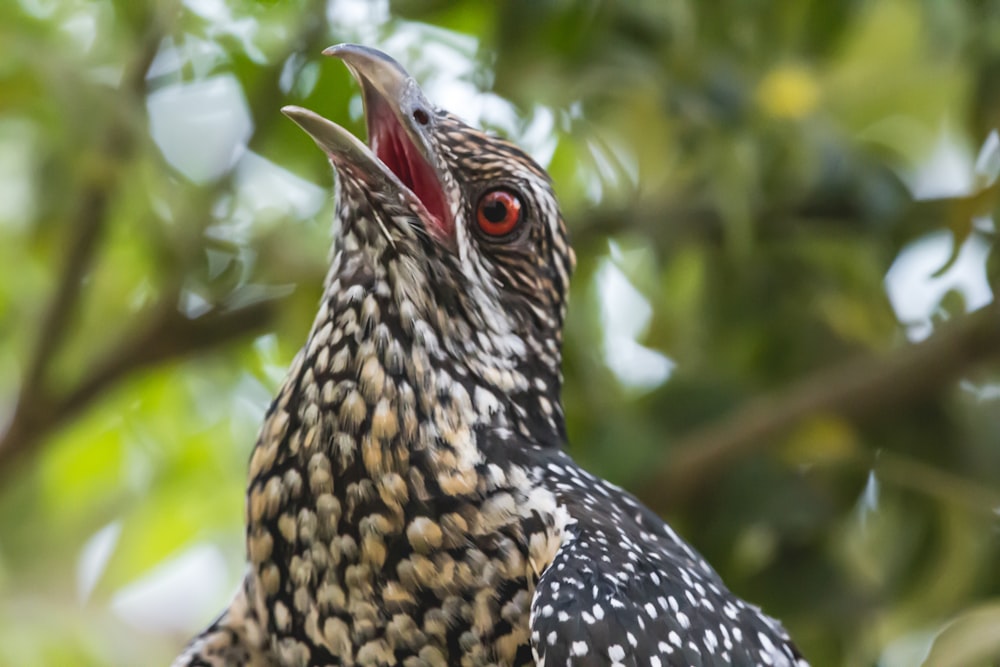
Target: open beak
398	153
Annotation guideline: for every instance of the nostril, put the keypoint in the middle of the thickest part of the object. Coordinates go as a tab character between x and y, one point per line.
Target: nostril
420	116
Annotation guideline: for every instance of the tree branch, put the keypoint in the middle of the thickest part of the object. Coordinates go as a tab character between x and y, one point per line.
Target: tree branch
166	335
86	225
40	409
905	472
857	390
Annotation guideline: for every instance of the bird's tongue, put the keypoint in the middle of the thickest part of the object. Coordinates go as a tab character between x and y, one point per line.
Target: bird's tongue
391	144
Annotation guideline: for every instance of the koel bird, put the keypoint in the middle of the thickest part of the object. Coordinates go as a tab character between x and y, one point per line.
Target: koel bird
410	498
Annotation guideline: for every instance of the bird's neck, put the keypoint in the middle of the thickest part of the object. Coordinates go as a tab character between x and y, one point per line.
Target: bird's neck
378	390
380	416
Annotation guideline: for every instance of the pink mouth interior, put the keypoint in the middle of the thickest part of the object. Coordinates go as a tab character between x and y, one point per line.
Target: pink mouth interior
391	144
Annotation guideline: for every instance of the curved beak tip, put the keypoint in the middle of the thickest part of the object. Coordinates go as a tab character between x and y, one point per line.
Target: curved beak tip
301	115
330	137
347	51
372	66
335	50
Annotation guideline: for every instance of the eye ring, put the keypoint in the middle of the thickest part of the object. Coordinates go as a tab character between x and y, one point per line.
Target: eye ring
499	212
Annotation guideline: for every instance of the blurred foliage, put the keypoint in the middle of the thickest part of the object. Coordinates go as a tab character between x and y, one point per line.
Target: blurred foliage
739	178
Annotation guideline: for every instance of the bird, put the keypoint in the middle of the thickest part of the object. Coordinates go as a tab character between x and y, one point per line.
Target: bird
411	500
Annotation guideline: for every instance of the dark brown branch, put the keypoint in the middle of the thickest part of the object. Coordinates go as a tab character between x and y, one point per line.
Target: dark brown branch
859	390
85	227
86	230
167	334
945	487
40	409
87	223
668	222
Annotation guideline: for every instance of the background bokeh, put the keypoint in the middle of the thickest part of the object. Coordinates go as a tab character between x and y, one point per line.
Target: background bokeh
782	332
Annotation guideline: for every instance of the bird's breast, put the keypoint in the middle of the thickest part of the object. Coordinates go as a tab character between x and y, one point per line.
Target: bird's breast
377	527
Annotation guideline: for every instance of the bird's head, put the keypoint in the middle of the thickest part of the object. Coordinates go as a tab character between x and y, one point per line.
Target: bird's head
451	244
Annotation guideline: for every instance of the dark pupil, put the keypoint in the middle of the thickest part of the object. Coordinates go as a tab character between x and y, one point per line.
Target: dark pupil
495	211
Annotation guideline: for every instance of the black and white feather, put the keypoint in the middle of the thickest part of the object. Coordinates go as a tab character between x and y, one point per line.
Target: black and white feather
410	501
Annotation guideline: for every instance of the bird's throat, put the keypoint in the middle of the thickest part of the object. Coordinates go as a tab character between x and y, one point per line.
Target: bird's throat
391	144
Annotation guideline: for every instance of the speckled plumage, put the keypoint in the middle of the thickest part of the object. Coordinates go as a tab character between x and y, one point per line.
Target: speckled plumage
409	500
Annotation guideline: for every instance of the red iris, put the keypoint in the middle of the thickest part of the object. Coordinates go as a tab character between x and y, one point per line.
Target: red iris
498	212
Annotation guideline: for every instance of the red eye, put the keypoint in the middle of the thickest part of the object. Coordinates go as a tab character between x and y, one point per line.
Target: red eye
498	212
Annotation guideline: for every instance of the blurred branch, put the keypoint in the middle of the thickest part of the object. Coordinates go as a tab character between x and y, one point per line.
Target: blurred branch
668	219
86	227
859	390
166	335
908	473
87	222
